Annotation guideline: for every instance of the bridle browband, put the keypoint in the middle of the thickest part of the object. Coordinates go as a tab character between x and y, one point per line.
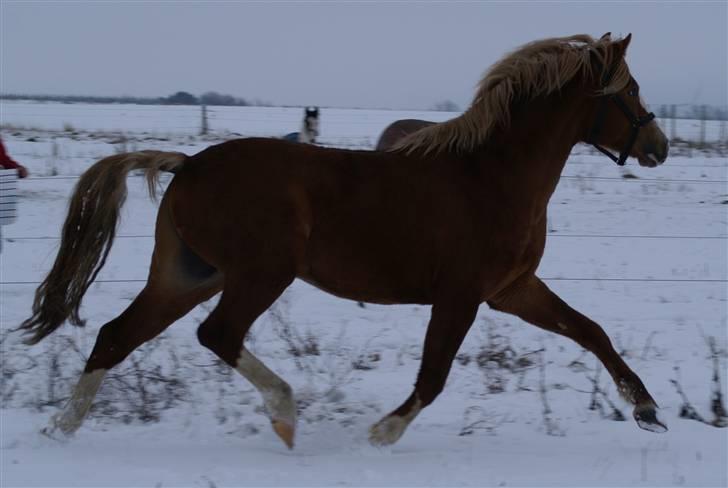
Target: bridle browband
636	122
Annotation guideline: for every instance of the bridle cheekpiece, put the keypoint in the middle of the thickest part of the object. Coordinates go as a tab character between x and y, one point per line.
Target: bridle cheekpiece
636	122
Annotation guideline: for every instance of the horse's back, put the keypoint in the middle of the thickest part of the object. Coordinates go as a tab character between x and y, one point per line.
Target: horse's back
398	130
254	166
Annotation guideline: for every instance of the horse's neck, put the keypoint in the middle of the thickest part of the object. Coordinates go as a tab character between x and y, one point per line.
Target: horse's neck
538	142
306	135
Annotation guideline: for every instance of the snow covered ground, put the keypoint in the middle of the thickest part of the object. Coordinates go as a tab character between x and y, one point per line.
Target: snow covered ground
642	252
338	126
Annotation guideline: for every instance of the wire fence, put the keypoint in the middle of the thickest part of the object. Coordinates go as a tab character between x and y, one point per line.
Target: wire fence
548	279
553	278
567	177
699	124
551	234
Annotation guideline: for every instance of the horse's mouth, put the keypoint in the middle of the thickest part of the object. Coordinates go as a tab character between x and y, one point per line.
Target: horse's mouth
649	160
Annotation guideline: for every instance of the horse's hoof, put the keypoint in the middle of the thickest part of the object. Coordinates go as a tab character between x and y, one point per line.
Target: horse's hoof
59	430
53	432
387	431
285	431
648	419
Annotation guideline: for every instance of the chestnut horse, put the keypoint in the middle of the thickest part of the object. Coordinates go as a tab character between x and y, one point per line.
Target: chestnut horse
397	130
453	217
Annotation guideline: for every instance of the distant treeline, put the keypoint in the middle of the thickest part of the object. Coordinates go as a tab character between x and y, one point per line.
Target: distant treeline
179	98
666	111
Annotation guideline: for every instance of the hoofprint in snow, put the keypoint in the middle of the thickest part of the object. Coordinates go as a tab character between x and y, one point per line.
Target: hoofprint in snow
515	410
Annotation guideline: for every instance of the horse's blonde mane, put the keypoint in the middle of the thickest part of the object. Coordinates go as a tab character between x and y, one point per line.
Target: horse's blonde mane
535	69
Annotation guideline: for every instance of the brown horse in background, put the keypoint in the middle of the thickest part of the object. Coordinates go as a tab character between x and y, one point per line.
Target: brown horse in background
454	217
397	130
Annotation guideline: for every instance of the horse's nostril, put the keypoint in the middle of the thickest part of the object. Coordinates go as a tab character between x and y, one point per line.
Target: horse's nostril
658	151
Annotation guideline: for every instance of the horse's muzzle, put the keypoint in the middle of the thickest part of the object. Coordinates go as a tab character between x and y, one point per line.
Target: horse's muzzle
653	154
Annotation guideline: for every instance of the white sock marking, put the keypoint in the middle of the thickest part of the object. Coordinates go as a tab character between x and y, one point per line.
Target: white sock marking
388	430
276	393
75	411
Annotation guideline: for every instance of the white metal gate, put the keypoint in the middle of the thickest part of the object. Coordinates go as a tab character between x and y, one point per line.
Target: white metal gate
8	196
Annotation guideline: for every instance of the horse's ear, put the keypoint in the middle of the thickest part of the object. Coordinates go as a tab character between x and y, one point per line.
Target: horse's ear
606	37
620	47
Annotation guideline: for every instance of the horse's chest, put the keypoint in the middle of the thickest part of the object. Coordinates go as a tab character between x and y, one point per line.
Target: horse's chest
508	259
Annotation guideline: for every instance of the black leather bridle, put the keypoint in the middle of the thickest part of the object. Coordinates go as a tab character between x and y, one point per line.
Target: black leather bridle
636	122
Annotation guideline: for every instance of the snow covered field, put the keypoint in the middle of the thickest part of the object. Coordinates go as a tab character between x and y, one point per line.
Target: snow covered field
642	252
338	126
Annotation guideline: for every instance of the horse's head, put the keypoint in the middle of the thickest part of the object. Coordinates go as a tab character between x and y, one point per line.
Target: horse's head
620	121
311	121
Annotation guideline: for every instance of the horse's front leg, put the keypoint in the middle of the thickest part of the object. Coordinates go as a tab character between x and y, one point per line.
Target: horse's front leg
530	299
451	317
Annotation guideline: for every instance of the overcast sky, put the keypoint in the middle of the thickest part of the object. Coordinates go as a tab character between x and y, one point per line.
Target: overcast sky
361	54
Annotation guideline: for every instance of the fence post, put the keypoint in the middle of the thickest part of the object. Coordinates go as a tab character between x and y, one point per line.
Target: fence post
703	122
673	121
203	124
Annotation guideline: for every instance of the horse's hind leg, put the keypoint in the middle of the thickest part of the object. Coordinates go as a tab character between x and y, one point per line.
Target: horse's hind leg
450	321
152	311
248	294
531	300
178	281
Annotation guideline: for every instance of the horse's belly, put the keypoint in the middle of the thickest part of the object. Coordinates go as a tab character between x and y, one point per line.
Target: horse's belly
368	277
384	294
373	294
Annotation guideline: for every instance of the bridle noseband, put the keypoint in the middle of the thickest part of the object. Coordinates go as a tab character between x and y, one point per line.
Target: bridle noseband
636	122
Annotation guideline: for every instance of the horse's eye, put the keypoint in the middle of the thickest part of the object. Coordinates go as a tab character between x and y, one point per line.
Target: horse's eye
633	91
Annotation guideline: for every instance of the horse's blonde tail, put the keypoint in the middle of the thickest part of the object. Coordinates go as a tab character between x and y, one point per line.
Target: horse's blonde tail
88	235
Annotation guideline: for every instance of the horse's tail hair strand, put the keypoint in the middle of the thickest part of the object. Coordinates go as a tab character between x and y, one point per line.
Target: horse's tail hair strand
88	234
